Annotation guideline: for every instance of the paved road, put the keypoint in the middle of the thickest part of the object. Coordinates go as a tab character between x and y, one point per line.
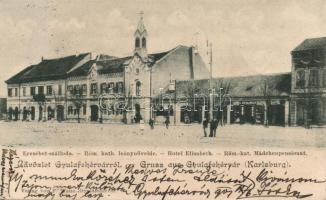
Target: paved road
73	134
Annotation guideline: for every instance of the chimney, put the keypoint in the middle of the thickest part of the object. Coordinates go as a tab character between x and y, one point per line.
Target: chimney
42	58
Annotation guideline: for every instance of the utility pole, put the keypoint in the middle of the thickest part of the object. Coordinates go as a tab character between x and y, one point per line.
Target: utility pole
211	95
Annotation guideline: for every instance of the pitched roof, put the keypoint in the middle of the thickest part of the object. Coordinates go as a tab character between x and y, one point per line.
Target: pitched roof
311	43
245	86
48	69
83	69
111	64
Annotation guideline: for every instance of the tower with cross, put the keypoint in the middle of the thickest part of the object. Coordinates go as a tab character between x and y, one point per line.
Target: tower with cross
141	38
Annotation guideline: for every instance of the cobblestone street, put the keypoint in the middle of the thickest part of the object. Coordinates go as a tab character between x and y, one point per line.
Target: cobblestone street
74	134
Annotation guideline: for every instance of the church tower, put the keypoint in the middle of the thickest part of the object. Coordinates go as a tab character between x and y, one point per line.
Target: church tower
141	38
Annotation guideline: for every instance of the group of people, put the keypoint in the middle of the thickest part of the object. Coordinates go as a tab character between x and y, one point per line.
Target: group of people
213	124
166	122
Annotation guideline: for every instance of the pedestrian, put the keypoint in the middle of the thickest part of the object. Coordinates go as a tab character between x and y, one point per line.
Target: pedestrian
167	122
211	127
151	123
216	121
205	125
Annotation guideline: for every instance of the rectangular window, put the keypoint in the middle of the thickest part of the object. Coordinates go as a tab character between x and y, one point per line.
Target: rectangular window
70	110
24	91
84	89
313	78
40	90
77	90
120	87
59	89
32	91
9	92
111	88
103	88
70	89
94	88
49	90
300	79
16	92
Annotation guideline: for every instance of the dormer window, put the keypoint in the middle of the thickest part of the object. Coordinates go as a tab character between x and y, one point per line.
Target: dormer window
137	43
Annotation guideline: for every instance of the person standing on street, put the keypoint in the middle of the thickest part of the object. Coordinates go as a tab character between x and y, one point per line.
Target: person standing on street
215	126
167	122
211	127
151	123
205	125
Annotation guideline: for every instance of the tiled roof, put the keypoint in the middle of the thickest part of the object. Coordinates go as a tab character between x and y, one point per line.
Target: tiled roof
49	69
82	70
245	86
110	64
311	43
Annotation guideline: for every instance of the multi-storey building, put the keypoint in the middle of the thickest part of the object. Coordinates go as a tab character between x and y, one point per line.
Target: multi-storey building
308	86
100	88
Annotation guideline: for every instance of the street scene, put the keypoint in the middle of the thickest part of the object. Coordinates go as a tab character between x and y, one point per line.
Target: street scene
53	134
143	80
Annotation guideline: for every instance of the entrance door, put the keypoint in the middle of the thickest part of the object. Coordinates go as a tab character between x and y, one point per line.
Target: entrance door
277	116
40	114
60	113
24	114
32	113
16	114
138	116
94	113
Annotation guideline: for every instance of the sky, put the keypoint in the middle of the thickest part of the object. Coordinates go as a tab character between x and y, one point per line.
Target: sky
248	36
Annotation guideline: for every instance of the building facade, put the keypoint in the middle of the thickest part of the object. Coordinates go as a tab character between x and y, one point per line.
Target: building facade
101	87
308	88
172	84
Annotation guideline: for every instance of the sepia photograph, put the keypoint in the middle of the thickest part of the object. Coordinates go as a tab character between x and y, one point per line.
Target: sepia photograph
169	73
144	99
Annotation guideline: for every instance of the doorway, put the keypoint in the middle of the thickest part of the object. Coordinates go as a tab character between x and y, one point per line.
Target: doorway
94	113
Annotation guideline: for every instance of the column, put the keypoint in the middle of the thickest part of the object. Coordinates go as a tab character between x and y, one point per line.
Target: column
286	113
228	114
88	111
177	113
265	114
203	112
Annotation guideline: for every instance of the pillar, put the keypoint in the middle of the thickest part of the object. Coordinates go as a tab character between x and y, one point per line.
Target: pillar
286	113
88	111
177	113
203	112
265	114
228	114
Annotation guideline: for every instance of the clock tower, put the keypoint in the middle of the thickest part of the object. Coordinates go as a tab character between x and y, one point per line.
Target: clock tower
141	38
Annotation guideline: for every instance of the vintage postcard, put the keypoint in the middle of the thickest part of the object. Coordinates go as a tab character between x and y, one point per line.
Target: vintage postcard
162	100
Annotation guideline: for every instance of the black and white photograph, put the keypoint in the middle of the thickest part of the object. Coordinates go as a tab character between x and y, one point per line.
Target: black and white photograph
187	99
169	73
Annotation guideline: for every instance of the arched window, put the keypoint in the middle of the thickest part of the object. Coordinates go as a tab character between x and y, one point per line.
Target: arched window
143	42
137	43
138	85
